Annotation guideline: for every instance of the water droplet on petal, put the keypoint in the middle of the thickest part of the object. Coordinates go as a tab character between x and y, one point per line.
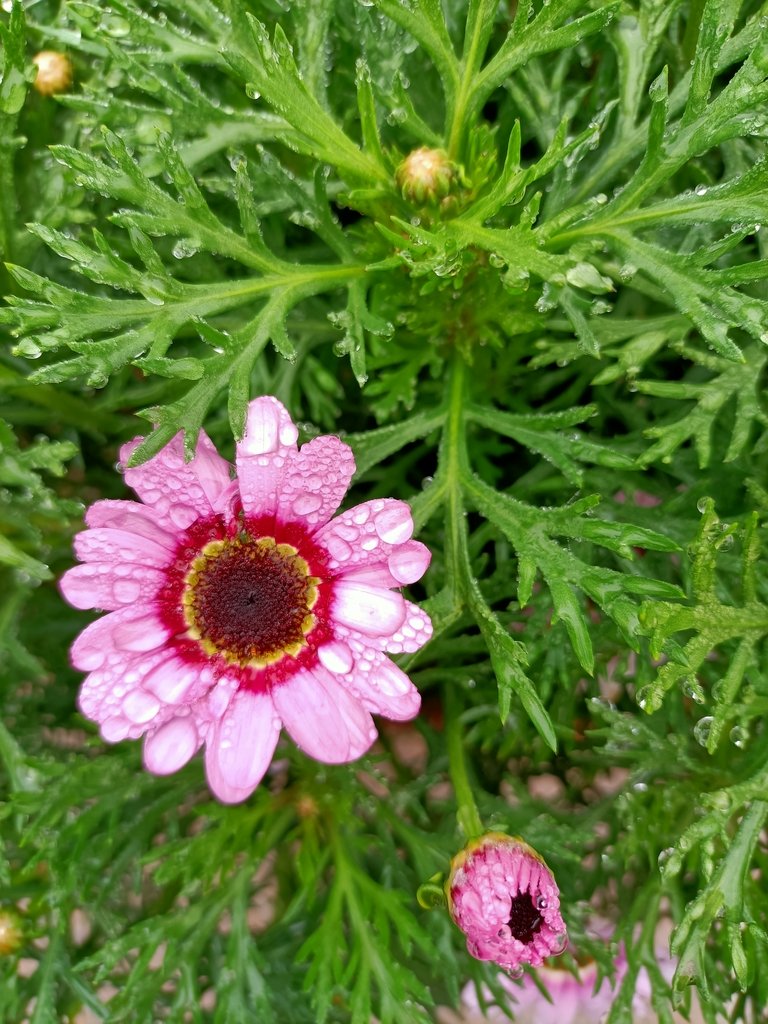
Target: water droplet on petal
126	591
140	707
338	548
306	504
182	517
336	657
288	433
394	525
559	943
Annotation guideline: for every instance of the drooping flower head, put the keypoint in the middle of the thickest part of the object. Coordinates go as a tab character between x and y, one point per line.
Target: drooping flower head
504	898
238	606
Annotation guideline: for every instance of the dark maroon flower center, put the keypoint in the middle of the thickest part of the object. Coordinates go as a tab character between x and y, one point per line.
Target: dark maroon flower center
250	600
524	918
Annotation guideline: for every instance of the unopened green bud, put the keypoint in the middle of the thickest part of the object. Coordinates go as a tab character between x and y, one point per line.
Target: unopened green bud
426	175
54	72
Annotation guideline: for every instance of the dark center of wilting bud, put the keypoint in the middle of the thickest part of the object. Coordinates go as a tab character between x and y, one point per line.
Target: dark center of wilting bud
524	918
250	600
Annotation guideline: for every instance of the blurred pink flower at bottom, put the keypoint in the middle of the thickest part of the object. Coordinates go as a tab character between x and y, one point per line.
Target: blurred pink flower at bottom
574	999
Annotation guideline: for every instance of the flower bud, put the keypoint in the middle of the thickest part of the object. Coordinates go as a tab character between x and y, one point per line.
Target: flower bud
10	931
54	72
426	175
504	898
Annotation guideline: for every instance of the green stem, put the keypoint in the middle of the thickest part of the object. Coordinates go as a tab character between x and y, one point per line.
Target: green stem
21	778
8	202
453	465
467	814
478	31
452	462
691	37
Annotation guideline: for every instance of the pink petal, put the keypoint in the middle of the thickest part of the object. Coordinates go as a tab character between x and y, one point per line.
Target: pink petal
140	707
380	685
115	729
125	630
170	747
132	517
326	721
366	535
337	657
145	633
374	575
415	631
315	481
175	682
179	492
104	690
269	441
240	746
368	610
407	564
102	585
106	545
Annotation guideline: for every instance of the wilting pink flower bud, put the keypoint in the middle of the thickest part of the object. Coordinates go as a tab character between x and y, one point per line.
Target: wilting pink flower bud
504	898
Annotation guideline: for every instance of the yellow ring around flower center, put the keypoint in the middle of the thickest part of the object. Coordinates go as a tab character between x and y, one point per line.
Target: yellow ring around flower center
249	600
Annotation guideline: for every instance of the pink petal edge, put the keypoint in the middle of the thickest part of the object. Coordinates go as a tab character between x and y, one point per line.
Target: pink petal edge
261	456
240	746
323	719
179	492
315	481
170	747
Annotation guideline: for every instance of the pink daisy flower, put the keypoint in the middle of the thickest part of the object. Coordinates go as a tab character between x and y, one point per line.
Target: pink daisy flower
504	898
239	606
576	999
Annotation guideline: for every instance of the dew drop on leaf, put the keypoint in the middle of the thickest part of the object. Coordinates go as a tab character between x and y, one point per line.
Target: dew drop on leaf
702	730
694	690
739	737
643	697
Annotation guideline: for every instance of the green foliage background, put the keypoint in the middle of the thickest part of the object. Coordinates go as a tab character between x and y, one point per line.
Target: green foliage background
213	212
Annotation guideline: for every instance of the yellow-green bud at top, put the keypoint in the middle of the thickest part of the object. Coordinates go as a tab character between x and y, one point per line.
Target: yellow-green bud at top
426	175
54	72
11	933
